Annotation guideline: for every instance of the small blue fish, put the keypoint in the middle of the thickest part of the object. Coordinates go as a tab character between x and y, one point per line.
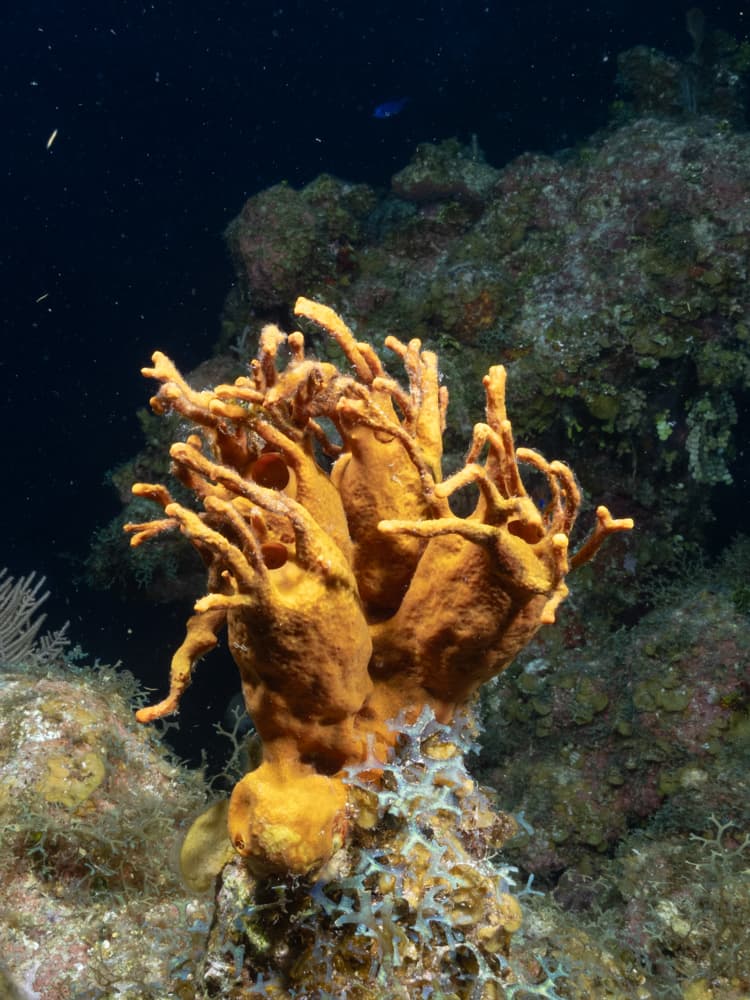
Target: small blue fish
390	108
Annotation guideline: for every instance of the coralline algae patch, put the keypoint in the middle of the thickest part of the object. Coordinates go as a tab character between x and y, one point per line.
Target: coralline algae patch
92	811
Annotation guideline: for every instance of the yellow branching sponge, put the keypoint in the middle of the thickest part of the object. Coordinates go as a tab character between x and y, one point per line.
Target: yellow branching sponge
355	595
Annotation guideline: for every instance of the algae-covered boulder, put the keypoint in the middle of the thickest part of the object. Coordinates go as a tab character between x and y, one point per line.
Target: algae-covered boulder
92	810
282	233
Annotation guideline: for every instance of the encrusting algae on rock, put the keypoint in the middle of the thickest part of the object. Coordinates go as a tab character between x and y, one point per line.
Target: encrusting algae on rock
353	595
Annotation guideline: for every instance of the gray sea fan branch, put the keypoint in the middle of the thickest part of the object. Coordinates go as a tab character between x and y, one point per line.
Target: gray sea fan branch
20	620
